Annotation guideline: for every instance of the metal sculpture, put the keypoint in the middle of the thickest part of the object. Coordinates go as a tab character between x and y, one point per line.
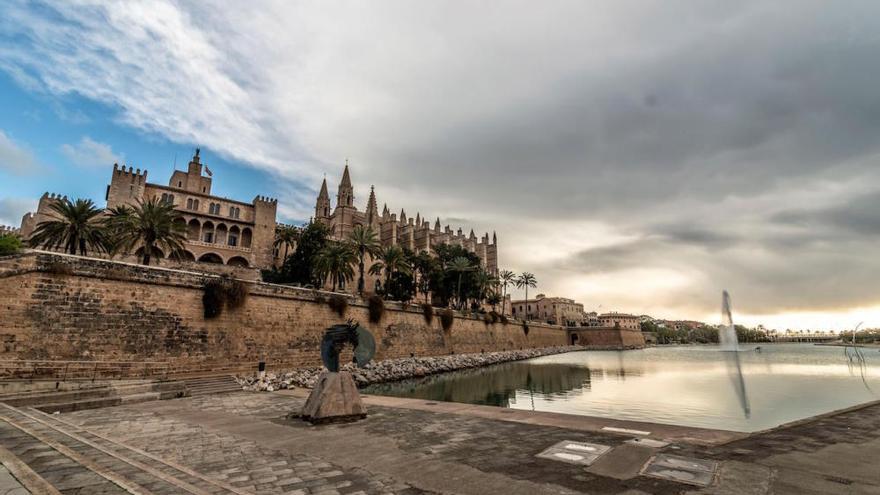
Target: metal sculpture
335	396
336	338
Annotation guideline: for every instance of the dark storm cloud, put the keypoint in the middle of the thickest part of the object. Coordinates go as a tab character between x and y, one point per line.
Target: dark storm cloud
716	140
857	218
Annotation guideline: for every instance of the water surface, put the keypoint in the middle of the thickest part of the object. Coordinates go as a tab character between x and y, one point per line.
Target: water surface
692	386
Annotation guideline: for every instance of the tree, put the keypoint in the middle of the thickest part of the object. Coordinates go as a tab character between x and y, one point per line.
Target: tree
425	266
77	228
299	267
287	236
494	298
526	280
391	260
505	277
335	261
459	266
486	284
153	224
363	241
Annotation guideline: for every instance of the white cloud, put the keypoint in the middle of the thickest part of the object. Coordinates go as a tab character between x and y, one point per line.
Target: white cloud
90	153
15	158
12	209
682	128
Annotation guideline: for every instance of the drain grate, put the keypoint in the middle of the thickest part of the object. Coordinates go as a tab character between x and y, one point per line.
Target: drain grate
581	453
681	469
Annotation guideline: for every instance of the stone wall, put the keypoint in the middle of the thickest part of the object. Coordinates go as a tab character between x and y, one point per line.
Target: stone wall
606	338
62	307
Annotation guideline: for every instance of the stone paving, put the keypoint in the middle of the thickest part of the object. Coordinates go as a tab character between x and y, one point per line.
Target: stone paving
9	485
247	442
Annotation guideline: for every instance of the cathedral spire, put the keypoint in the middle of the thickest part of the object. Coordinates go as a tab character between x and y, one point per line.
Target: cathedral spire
322	206
494	238
418	220
324	194
346	179
345	195
372	209
402	216
437	225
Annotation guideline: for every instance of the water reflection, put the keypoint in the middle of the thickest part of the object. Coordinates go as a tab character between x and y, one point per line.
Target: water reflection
676	385
734	370
494	385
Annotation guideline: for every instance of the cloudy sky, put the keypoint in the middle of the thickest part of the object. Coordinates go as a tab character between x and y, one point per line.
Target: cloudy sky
637	156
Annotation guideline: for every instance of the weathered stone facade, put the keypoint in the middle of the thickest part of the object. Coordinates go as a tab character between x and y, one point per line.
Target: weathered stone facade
63	307
218	230
553	310
414	233
606	337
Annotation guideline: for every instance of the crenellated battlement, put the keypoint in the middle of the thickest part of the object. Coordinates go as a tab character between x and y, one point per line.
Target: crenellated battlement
265	199
134	173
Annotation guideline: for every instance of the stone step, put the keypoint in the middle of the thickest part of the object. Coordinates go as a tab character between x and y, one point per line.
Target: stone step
50	445
110	390
80	405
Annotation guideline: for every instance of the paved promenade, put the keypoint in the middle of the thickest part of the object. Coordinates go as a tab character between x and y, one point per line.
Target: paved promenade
243	443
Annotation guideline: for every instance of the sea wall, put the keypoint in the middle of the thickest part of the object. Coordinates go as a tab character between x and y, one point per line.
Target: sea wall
606	338
62	307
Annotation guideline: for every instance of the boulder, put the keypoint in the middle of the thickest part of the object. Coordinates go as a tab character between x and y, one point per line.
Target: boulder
335	398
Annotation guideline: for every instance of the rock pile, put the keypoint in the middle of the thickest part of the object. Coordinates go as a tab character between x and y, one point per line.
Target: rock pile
394	369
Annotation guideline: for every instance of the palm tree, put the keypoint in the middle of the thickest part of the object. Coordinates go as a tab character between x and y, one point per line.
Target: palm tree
77	227
153	224
486	282
460	265
506	277
364	241
391	260
526	280
335	261
287	236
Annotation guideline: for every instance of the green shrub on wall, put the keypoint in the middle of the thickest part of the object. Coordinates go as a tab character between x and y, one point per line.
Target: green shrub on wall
428	313
9	244
220	292
376	307
487	319
447	318
338	304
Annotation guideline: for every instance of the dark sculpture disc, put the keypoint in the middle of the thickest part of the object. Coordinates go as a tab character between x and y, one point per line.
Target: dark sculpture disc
337	336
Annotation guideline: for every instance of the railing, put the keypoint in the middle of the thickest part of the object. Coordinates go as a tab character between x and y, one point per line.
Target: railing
218	245
82	370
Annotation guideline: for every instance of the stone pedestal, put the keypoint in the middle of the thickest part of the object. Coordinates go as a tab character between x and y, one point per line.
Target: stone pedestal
335	398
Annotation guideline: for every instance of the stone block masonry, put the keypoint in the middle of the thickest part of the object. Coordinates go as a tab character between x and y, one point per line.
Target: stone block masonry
61	307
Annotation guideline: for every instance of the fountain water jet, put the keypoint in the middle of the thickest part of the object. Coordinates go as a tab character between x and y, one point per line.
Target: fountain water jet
727	333
727	339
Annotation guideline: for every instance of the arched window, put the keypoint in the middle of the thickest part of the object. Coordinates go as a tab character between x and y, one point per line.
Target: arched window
232	237
196	205
189	204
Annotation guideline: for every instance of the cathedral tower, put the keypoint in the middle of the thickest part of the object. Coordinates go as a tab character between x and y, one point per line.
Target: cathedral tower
322	206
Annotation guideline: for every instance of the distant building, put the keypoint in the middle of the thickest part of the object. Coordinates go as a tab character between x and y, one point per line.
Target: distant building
218	230
622	320
553	310
7	230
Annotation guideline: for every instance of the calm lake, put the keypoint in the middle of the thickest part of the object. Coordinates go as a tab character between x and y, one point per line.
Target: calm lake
694	386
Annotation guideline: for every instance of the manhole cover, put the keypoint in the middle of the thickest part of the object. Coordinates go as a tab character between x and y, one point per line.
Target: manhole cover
681	469
581	453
